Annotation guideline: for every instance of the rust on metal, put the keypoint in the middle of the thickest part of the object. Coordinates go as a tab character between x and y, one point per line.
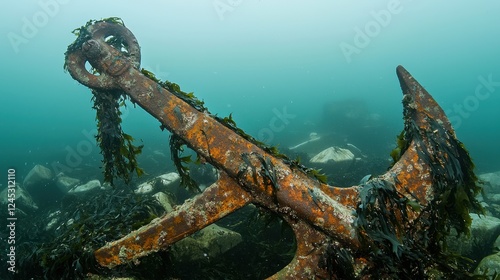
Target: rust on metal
220	199
316	212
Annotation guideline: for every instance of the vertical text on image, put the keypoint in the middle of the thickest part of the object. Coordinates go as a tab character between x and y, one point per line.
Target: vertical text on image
11	219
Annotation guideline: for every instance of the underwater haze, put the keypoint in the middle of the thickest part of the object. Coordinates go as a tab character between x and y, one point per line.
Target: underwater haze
275	65
299	75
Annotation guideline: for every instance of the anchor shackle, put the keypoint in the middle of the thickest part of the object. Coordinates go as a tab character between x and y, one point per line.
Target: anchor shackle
109	48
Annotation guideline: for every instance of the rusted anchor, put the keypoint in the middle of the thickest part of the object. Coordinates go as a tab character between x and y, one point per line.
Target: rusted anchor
432	168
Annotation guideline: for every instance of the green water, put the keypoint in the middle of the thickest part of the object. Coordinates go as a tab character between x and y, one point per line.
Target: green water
252	58
283	69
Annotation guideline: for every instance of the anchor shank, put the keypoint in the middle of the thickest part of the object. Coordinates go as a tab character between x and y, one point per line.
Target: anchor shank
224	148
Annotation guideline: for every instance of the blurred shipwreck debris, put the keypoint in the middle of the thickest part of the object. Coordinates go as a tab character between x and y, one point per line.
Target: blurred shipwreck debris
313	136
392	226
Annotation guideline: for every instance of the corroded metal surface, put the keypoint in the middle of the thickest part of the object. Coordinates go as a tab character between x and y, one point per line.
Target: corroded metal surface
113	64
220	199
311	246
315	211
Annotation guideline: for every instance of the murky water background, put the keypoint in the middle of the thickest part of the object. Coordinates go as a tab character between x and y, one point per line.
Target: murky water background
283	69
257	60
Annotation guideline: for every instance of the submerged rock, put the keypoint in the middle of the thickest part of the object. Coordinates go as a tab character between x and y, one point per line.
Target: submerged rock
207	243
489	266
335	154
22	200
40	184
38	175
495	198
169	178
484	230
90	185
165	201
144	188
496	245
161	182
491	181
491	189
65	183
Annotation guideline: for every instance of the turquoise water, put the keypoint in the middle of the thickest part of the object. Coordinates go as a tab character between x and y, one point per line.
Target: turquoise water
248	59
283	69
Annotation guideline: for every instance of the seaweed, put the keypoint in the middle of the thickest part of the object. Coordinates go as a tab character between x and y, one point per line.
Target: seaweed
268	172
453	175
338	262
316	173
376	220
400	249
175	89
177	145
85	223
401	146
119	154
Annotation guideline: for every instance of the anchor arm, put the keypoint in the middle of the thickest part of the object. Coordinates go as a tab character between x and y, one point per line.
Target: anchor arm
220	199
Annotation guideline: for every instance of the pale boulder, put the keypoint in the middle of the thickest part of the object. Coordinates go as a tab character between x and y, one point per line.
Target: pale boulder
90	185
165	201
158	183
38	175
207	243
335	154
65	183
22	199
